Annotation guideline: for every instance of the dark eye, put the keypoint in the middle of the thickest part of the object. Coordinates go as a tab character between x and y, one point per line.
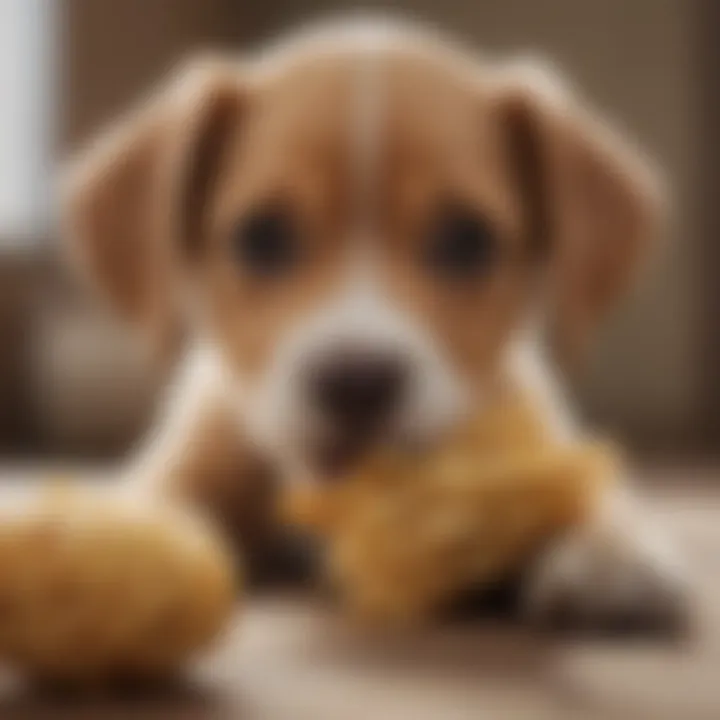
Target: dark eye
266	242
460	244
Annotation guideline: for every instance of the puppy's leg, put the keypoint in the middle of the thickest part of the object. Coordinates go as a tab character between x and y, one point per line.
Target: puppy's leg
198	454
615	571
612	573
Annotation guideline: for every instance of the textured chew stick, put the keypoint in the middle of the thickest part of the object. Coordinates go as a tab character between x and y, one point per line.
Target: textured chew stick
408	533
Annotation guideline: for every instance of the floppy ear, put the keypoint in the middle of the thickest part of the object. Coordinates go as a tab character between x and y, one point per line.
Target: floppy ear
595	204
133	198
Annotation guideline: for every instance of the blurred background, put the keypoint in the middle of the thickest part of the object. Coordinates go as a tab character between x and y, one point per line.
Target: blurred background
72	383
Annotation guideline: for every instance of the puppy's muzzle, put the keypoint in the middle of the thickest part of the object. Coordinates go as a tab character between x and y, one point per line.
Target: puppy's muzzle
357	393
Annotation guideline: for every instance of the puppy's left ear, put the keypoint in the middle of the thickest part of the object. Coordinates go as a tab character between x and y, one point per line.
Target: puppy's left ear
134	198
593	202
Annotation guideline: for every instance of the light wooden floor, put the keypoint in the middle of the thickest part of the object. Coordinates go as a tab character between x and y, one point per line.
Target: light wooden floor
291	659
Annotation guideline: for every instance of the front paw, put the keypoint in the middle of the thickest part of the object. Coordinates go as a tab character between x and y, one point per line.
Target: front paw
609	582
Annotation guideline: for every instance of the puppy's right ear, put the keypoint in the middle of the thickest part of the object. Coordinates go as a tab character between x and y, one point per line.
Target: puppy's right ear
595	201
135	196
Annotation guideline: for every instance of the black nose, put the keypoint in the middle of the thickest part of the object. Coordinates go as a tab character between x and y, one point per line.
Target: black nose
358	391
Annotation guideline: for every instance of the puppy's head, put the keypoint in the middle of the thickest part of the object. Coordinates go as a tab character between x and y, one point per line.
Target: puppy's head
361	225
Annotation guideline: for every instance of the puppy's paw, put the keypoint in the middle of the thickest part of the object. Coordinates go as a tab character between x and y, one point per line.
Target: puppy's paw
609	582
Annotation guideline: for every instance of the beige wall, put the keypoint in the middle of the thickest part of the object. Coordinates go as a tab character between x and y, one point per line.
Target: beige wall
113	49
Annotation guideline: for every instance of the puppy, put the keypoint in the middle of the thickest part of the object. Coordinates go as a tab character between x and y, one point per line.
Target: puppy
364	229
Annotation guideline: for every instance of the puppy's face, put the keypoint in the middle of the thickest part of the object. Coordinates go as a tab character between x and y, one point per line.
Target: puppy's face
361	231
365	258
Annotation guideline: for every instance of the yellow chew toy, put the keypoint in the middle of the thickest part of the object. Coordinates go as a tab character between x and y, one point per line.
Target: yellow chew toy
409	532
96	587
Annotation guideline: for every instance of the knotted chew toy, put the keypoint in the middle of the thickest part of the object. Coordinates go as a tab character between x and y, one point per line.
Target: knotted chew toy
98	586
409	532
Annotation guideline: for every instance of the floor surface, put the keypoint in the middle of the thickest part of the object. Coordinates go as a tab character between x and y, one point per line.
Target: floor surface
292	658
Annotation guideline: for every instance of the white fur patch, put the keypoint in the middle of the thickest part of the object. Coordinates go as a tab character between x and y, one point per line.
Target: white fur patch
613	567
280	414
366	141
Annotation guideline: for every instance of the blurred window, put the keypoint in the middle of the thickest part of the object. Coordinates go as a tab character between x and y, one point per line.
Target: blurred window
27	73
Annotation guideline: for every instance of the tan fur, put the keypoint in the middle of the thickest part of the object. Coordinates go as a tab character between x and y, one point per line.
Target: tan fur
124	196
448	135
